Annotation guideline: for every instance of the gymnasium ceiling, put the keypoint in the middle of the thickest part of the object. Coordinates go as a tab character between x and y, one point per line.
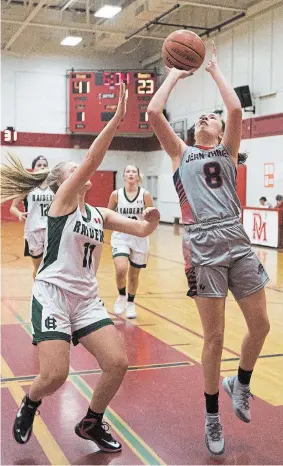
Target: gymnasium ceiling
36	27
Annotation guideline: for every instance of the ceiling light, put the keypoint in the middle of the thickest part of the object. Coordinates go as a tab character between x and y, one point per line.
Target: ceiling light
71	41
107	11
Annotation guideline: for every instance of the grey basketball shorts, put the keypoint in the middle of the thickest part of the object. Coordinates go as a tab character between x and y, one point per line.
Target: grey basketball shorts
218	257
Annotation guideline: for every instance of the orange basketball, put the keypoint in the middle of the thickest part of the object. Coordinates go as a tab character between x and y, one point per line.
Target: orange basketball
183	50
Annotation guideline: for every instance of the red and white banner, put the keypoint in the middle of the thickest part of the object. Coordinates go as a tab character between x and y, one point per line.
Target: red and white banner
261	226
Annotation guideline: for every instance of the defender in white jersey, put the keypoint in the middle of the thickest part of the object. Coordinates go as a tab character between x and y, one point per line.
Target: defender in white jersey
36	205
65	303
129	201
217	251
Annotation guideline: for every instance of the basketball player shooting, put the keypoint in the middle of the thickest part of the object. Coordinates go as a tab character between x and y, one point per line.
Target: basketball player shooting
217	251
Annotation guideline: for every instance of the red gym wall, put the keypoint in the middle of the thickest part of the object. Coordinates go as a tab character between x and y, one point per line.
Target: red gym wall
103	183
242	184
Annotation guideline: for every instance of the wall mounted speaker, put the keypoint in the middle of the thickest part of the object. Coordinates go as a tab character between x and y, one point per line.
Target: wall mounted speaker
243	92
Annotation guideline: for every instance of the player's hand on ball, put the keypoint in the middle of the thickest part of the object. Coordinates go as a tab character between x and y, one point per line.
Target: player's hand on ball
212	64
180	74
151	214
123	99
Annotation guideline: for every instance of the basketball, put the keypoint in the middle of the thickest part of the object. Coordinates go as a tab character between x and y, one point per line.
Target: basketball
183	50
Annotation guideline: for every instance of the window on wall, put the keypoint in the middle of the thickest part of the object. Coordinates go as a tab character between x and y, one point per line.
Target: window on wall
180	127
152	186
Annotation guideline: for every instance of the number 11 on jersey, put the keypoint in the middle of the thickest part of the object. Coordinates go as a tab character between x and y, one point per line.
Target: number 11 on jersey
88	250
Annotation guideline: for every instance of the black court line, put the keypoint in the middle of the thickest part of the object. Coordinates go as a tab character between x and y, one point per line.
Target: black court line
98	371
181	326
262	356
14	258
145	325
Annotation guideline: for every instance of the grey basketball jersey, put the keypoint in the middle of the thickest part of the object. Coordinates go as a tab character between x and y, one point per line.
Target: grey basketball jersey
72	251
206	185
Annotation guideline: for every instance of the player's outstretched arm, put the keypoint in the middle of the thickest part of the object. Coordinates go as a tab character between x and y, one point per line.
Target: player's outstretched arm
14	210
142	228
113	199
233	129
169	140
68	191
148	202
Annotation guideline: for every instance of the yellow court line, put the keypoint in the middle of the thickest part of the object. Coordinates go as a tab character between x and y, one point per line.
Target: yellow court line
9	374
47	442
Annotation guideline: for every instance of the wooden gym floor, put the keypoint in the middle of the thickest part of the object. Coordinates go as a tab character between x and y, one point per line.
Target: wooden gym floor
158	413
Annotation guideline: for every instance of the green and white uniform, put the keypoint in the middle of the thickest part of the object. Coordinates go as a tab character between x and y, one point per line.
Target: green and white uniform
37	204
133	247
65	299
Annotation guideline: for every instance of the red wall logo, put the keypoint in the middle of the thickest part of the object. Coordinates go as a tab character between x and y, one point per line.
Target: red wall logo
259	228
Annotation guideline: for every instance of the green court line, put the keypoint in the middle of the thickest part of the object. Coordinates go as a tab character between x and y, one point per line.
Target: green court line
147	455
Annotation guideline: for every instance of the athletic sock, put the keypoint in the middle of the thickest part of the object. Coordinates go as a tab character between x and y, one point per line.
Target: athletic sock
131	298
33	404
94	415
211	402
122	291
244	377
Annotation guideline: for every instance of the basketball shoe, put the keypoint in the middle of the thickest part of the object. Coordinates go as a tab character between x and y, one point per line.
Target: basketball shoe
98	432
214	439
131	310
240	395
22	429
120	304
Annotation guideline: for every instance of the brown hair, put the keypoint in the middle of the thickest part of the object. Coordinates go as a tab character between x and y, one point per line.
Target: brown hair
190	141
40	157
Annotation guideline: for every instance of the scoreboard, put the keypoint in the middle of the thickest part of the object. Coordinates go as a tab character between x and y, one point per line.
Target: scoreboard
94	95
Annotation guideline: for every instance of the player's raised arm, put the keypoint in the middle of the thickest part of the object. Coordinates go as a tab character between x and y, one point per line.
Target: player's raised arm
68	191
233	129
141	228
169	140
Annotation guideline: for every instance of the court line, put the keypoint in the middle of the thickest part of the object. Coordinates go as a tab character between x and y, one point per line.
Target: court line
262	356
14	382
98	371
143	451
181	326
145	325
138	446
166	259
274	289
229	370
46	440
14	259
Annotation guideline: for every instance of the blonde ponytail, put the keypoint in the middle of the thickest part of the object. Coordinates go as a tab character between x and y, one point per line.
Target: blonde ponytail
16	180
